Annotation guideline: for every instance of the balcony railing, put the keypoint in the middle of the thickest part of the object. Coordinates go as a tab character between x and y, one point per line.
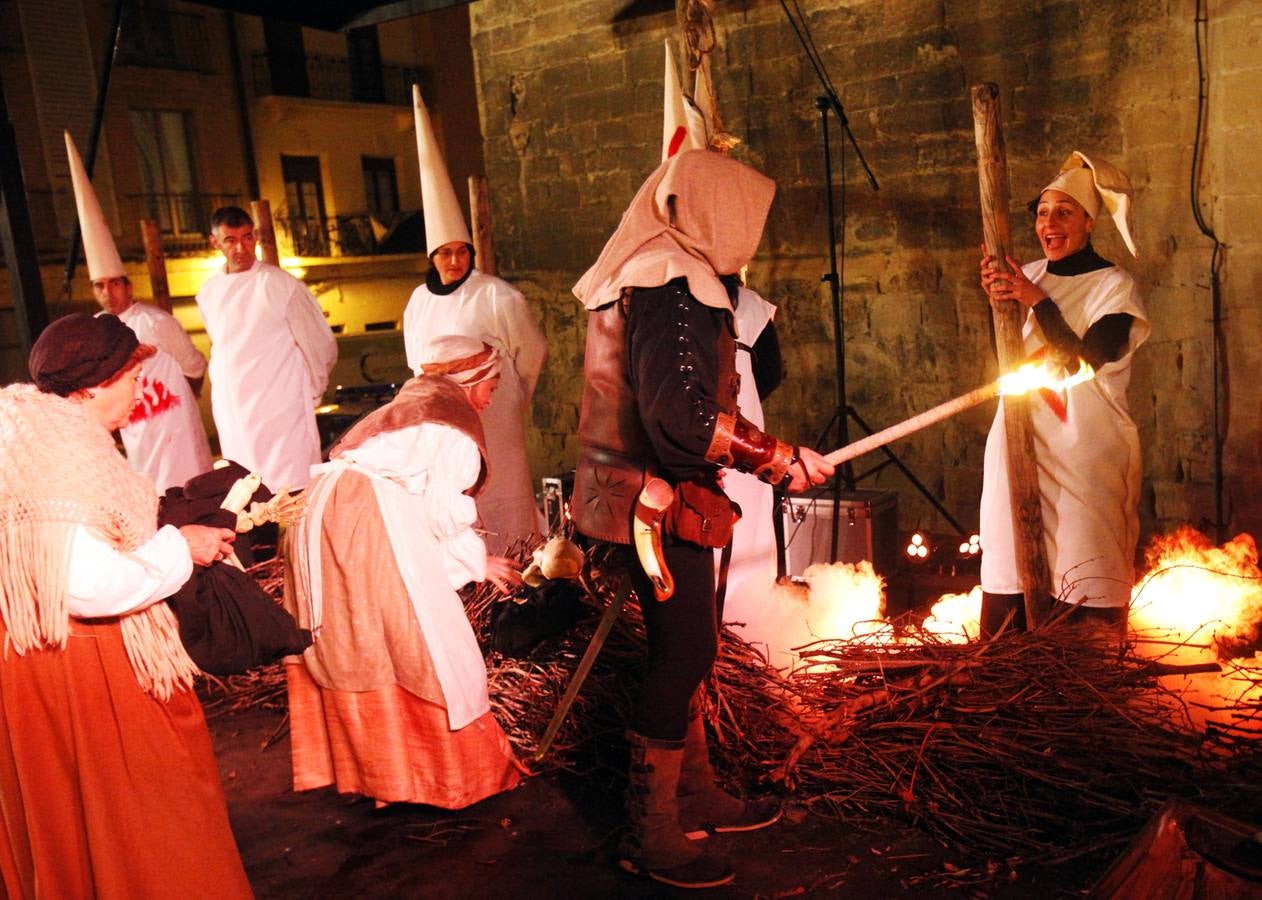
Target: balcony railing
330	78
349	235
162	39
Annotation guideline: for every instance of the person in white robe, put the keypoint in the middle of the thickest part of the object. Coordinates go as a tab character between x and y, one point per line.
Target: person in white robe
458	299
391	700
270	357
164	437
1080	306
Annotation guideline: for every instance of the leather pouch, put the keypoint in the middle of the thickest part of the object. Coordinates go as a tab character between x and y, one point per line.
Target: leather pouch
701	514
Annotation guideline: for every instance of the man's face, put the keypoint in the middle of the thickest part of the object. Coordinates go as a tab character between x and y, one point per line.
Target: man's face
452	260
113	294
237	246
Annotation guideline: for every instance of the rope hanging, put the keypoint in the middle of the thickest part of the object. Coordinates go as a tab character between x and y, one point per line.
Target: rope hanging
696	20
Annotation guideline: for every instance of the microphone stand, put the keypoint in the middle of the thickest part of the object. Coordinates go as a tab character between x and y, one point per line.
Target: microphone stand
828	102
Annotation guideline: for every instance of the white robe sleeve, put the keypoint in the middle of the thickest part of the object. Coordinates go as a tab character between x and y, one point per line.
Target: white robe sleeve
524	341
313	336
105	581
175	340
455	464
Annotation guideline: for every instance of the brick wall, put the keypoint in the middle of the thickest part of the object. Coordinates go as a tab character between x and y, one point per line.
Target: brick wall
571	115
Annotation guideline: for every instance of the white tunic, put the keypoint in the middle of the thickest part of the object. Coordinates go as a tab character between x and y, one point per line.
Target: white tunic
489	308
270	357
1089	466
164	438
752	571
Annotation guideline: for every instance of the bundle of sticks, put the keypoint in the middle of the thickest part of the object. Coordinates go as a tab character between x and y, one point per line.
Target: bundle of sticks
1038	747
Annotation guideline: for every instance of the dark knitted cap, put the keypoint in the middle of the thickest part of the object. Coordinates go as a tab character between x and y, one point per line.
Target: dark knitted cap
80	351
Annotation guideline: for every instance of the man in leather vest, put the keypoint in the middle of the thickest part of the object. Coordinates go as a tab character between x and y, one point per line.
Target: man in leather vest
660	400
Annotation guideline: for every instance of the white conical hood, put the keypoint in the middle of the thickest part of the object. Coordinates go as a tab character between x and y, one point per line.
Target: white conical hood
98	243
444	222
682	126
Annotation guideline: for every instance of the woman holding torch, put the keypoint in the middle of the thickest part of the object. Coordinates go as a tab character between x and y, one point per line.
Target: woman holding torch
1080	306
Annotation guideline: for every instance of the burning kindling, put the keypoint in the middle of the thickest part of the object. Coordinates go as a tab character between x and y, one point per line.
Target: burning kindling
1032	747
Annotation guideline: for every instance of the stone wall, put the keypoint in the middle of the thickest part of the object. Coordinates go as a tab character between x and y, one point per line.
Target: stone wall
570	101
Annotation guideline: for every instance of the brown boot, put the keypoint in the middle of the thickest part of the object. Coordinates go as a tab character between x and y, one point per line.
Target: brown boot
703	806
655	846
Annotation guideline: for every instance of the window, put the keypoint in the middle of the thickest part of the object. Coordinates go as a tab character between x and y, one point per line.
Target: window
286	59
364	56
381	188
167	171
304	202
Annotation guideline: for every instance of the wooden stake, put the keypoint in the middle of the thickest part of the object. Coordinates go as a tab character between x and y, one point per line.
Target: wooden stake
156	260
480	216
1027	511
261	212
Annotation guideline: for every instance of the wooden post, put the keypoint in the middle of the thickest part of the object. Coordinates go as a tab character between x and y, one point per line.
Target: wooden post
480	216
156	260
261	212
1027	511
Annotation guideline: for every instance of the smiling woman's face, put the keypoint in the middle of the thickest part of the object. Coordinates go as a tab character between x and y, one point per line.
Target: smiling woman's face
1062	225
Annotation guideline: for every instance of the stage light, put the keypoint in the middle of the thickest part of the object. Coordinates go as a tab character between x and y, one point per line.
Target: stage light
918	548
971	547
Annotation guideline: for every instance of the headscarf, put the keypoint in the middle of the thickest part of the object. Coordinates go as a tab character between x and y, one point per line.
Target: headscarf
1096	183
465	360
80	351
719	209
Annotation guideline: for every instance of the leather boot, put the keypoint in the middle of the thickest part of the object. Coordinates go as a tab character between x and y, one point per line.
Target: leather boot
655	846
704	807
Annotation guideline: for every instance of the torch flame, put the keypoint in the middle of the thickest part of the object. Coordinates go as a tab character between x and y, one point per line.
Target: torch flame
1033	376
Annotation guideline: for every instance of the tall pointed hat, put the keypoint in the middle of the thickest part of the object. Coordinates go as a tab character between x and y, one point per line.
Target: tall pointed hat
98	243
444	222
682	125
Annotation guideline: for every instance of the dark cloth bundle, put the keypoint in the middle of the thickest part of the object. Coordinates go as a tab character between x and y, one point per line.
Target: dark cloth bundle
549	609
228	624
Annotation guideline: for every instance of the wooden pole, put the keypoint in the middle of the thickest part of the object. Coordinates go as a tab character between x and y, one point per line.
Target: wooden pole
156	260
1027	511
480	216
261	212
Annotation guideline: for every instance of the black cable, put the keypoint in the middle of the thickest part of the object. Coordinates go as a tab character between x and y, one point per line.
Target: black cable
1200	30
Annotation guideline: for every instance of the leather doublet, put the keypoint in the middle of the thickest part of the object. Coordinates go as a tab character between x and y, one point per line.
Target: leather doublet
614	450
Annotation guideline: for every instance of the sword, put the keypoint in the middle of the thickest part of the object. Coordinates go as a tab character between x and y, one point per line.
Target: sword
607	620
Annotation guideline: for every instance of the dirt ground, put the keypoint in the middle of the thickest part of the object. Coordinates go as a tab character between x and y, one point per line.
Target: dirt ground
554	837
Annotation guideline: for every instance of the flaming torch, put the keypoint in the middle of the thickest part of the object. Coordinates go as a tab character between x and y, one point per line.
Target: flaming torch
1030	376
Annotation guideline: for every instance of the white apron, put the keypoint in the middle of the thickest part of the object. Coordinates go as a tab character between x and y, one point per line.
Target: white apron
1089	466
418	476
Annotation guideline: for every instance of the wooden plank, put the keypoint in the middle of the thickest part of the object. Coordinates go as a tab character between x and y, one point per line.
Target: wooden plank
264	230
1027	512
480	216
156	261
